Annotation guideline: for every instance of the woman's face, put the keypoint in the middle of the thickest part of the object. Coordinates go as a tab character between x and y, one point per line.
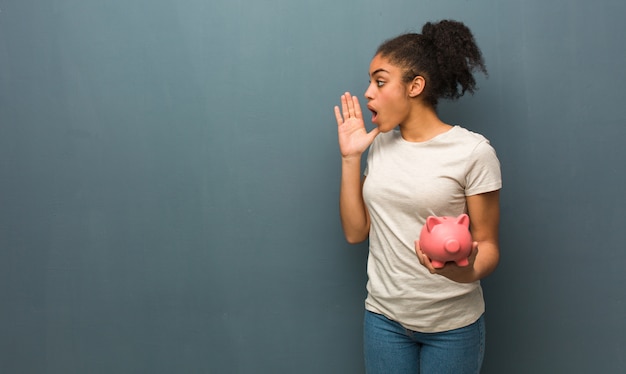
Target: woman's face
387	95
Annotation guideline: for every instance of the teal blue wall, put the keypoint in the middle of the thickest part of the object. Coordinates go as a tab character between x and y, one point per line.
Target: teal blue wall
169	177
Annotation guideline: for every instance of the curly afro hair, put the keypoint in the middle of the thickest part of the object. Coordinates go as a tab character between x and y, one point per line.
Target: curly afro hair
445	54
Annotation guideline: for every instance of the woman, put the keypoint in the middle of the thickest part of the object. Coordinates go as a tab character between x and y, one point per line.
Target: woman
419	319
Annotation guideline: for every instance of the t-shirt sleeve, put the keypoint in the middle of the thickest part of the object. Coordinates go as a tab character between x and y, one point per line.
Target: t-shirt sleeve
483	170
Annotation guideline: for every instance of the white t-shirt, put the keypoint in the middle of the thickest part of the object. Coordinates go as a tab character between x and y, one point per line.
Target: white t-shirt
407	182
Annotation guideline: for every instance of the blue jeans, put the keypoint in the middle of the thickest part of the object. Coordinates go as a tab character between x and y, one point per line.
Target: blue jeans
390	348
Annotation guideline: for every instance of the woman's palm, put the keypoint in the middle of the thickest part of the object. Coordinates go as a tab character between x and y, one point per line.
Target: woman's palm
353	137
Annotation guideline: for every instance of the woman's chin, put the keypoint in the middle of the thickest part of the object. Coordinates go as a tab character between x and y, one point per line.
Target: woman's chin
383	127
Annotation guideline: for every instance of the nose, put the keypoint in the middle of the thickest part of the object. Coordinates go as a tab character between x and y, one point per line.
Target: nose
368	93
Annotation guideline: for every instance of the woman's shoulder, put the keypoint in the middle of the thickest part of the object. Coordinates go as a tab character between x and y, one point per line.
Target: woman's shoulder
470	143
461	132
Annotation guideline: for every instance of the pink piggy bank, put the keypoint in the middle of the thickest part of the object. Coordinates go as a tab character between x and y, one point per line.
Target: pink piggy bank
445	239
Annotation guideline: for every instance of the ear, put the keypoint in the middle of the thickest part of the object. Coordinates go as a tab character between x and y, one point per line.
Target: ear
417	86
431	222
463	219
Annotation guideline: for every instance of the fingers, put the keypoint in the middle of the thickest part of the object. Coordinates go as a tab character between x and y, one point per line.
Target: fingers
423	259
345	109
350	107
343	114
418	252
338	116
474	251
357	108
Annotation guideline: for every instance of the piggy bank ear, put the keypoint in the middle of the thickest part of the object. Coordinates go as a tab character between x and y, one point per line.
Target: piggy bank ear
463	219
431	222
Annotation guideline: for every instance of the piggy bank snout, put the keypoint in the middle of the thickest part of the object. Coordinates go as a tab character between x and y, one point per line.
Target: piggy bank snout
452	246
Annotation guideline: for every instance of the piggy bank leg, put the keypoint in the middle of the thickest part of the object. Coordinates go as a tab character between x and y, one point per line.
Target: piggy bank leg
437	264
462	262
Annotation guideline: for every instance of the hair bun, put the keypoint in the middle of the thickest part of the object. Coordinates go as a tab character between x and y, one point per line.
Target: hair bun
428	30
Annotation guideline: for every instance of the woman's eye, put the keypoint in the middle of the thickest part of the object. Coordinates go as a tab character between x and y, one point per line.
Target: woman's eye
380	83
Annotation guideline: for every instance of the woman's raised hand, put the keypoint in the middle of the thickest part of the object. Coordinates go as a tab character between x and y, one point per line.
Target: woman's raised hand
353	136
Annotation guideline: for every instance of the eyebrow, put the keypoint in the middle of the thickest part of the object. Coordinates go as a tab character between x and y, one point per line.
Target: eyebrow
378	71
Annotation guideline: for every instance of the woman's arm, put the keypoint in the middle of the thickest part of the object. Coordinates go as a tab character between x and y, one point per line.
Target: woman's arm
484	212
353	141
355	219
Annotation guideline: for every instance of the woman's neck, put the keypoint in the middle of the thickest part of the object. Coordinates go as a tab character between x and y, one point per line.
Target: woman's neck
422	124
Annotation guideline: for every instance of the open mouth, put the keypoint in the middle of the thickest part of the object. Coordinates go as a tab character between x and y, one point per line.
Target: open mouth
374	114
